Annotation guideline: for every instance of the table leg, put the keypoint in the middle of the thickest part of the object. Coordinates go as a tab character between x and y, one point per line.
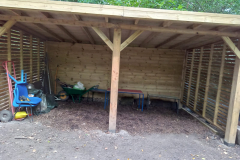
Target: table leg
92	96
147	101
87	96
178	106
142	102
108	93
139	101
105	100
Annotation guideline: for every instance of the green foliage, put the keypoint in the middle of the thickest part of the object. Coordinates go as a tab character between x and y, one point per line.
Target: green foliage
212	6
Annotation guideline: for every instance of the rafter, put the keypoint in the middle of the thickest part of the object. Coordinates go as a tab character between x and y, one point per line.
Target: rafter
108	29
63	29
153	35
186	41
148	39
29	30
194	38
18	14
54	35
168	40
136	21
195	26
167	23
85	29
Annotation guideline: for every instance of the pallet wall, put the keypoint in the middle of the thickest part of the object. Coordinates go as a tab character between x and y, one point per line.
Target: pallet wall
27	53
155	71
208	80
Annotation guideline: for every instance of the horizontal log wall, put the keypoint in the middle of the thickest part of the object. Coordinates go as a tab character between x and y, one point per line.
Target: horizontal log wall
24	57
153	71
213	66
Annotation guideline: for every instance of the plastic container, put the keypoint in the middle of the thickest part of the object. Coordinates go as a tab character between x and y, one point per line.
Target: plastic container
20	115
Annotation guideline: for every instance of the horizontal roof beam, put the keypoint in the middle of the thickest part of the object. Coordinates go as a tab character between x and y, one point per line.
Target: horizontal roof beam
122	12
111	25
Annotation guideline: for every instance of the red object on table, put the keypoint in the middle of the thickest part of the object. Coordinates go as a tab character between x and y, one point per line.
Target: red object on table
128	90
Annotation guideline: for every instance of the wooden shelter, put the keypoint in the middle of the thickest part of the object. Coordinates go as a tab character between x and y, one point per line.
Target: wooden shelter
193	56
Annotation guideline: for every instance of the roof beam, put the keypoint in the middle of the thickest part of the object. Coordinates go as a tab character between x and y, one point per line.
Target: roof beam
103	37
111	25
120	12
85	29
231	45
63	29
6	27
130	39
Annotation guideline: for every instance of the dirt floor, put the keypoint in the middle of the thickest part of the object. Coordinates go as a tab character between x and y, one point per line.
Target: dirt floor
79	131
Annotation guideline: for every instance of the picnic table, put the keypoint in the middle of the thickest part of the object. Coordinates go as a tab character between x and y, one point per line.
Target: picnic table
127	91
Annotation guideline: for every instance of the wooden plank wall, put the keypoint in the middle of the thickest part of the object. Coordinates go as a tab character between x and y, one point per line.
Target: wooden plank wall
156	71
215	80
20	54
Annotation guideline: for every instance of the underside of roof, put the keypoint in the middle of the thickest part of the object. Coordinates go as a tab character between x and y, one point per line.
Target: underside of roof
162	28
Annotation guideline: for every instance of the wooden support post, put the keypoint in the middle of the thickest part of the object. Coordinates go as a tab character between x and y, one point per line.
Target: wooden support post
219	85
9	56
38	59
31	58
183	77
207	81
21	50
190	77
114	80
234	106
198	80
6	27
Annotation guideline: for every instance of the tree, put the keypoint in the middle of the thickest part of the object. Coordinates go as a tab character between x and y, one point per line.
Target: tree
212	6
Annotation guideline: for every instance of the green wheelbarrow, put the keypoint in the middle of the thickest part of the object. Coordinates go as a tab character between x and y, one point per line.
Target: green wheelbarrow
66	92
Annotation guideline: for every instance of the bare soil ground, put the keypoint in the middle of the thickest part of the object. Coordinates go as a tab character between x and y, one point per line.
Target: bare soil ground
79	131
89	116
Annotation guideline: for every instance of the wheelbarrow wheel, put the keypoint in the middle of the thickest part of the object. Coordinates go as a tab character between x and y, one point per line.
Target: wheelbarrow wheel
5	116
63	95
